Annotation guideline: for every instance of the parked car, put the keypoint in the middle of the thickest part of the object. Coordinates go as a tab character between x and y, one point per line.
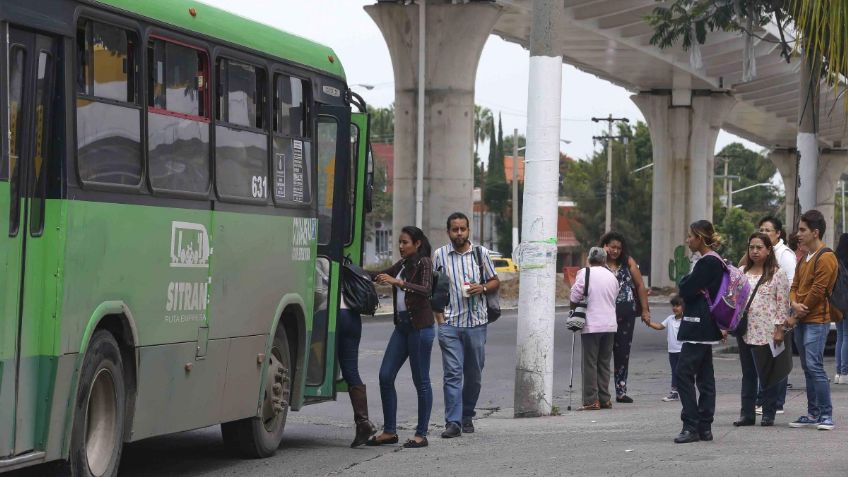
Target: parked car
504	265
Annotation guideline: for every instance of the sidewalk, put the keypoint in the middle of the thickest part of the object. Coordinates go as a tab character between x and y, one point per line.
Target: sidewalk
634	439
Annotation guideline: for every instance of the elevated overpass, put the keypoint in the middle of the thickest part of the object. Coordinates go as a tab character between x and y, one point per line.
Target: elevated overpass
685	103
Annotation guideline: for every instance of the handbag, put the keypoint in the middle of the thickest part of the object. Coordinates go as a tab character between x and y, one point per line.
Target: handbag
742	326
493	303
577	316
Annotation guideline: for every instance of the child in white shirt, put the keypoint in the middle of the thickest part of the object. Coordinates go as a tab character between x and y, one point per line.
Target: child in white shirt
672	325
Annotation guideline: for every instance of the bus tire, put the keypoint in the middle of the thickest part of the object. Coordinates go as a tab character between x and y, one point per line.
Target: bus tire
259	437
98	427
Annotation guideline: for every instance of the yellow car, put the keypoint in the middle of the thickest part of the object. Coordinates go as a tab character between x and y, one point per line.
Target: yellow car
504	265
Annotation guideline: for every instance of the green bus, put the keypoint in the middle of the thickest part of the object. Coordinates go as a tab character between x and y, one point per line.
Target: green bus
179	187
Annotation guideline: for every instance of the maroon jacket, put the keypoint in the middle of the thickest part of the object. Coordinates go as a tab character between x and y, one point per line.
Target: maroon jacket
418	285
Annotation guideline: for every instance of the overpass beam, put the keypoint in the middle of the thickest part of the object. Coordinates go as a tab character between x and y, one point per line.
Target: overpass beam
454	38
684	129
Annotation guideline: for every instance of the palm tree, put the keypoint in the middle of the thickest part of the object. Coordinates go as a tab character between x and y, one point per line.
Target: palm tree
823	31
483	119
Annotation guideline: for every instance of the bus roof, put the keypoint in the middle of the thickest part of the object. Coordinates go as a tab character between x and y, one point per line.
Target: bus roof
235	29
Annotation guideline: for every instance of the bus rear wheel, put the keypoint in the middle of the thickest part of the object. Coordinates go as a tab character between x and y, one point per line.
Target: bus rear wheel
260	436
98	428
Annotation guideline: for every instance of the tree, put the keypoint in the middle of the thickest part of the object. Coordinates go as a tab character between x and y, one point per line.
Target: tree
482	122
382	124
751	168
735	227
631	201
820	26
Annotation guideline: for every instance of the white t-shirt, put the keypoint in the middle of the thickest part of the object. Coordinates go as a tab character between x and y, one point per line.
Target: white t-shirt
785	259
400	304
672	326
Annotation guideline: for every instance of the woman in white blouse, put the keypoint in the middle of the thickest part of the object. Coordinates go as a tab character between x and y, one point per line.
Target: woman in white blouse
768	308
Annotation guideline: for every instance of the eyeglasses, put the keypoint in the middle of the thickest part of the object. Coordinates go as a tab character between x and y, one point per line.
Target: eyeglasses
766	231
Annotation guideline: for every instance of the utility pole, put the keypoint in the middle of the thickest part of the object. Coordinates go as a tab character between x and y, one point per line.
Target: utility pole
515	189
609	137
537	254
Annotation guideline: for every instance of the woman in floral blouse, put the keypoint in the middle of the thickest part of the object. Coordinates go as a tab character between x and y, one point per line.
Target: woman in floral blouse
768	309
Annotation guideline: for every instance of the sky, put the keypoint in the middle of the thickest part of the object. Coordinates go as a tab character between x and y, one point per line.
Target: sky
502	74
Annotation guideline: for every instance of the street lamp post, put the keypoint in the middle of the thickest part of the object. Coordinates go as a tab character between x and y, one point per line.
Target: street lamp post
609	137
730	196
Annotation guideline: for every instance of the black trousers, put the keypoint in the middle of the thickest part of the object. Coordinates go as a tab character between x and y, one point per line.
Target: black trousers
695	368
621	350
750	385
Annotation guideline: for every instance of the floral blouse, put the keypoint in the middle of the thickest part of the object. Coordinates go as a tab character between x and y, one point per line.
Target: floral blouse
770	307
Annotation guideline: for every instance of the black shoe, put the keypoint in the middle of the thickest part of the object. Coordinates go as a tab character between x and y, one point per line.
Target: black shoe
379	442
705	434
624	398
468	426
686	436
744	421
767	421
451	430
413	444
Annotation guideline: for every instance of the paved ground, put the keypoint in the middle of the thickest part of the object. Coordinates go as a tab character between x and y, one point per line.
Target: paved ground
632	439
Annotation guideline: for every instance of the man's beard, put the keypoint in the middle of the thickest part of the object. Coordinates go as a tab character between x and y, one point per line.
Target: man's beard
459	242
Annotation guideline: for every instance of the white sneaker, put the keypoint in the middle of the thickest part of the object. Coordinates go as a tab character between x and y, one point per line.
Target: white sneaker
759	410
672	396
780	411
837	379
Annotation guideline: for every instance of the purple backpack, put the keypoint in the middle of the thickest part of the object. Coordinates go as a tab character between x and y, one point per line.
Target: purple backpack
728	306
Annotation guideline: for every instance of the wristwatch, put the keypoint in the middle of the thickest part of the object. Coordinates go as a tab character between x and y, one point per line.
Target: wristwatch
484	288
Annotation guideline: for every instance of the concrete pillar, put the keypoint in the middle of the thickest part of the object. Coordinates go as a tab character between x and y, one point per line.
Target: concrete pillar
455	36
786	161
807	139
684	129
832	164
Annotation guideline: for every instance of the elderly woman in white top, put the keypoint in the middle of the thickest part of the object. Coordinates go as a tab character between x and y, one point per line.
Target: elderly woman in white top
599	331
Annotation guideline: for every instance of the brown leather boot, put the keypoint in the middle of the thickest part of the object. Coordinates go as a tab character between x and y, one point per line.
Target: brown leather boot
364	427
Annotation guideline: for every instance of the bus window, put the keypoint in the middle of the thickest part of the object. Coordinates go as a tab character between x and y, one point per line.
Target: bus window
177	122
327	138
241	154
351	182
17	57
291	162
108	114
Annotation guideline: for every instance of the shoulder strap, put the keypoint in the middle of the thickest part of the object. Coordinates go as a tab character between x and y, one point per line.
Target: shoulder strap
478	254
586	286
821	252
753	294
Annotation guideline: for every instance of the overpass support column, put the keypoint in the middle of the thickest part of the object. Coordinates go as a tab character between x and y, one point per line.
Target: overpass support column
786	161
454	38
684	129
832	165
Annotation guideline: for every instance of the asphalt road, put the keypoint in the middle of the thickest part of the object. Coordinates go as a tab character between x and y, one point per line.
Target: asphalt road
316	438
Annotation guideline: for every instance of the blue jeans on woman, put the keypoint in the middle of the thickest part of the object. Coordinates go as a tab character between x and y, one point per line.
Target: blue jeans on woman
415	344
348	335
841	352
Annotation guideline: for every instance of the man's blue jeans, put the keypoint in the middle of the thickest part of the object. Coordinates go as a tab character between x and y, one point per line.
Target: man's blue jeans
463	356
810	339
841	352
407	342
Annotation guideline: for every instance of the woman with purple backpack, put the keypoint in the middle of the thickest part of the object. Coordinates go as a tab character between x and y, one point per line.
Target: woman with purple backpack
699	332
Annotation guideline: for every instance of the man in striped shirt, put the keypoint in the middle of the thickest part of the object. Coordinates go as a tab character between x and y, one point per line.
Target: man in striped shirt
462	330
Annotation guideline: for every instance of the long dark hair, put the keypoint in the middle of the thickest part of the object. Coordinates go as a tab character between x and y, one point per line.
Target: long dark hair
624	257
417	235
770	265
842	249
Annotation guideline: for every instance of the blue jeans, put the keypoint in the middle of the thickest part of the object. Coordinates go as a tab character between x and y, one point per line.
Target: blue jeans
463	356
407	342
673	358
810	339
348	335
841	352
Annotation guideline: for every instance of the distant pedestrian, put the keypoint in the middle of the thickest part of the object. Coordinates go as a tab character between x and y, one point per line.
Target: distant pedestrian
699	332
599	332
786	260
767	309
632	301
411	279
814	279
841	352
672	326
462	335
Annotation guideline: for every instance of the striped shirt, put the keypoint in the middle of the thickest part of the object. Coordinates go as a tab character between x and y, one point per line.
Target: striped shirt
461	268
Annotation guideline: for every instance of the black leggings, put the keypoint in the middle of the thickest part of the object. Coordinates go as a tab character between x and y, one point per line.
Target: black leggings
621	352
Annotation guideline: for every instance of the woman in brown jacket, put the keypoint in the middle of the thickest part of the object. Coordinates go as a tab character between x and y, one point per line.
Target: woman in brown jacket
412	282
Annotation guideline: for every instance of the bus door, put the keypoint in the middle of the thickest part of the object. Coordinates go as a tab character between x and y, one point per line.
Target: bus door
26	347
333	152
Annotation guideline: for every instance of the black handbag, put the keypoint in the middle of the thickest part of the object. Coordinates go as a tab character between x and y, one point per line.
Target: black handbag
577	316
358	289
493	302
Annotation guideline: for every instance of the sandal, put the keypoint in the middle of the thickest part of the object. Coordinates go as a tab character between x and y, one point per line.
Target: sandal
413	444
375	441
595	406
606	405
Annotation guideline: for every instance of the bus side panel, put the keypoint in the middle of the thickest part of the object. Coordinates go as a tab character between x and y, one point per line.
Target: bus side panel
9	279
244	371
154	259
173	396
258	259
